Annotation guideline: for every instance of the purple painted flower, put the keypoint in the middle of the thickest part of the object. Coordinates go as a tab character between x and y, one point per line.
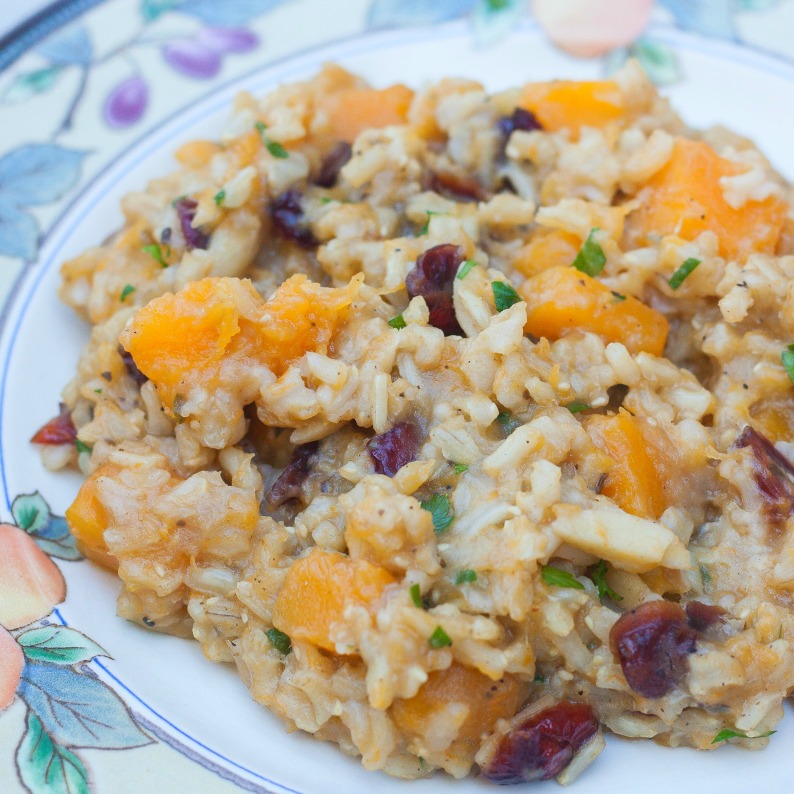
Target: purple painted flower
126	103
192	59
225	40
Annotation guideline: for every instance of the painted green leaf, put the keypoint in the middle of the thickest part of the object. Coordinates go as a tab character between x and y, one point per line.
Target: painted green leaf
46	767
58	645
660	61
151	9
51	533
494	19
29	84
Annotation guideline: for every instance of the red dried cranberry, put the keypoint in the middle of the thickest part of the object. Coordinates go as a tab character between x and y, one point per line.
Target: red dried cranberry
702	617
652	643
286	212
442	313
186	211
773	474
59	430
432	278
132	367
458	187
288	485
333	163
543	745
390	451
520	119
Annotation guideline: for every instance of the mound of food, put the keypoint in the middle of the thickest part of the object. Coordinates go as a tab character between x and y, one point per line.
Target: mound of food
460	423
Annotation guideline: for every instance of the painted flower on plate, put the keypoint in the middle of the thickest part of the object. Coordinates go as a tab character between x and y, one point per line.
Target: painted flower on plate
589	28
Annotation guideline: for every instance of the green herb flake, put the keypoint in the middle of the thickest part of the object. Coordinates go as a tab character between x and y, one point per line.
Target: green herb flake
275	148
504	295
727	733
599	577
465	268
705	576
440	509
617	296
677	279
466	576
219	197
787	357
460	467
426	228
539	679
591	258
326	200
556	577
397	322
97	391
577	406
126	292
508	423
279	640
439	638
416	595
82	446
156	253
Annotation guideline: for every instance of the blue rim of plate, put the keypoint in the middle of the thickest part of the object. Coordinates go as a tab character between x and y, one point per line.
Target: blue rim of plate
289	68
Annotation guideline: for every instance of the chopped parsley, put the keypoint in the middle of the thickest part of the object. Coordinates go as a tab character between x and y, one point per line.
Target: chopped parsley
397	322
441	511
617	296
326	200
439	638
126	292
677	279
279	640
727	733
705	576
577	406
539	679
466	576
460	467
416	595
98	391
82	446
591	258
156	253
219	197
556	577
599	577
465	268
504	295
787	357
508	423
275	148
426	228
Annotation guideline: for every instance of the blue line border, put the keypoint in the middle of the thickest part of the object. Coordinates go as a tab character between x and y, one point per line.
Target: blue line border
273	73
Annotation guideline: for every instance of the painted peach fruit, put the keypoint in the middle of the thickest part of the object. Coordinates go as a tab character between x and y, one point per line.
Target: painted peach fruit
11	662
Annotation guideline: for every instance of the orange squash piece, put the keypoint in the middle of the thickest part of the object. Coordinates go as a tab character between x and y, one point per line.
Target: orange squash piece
561	299
685	198
487	700
317	590
547	248
352	110
636	481
195	154
88	520
574	105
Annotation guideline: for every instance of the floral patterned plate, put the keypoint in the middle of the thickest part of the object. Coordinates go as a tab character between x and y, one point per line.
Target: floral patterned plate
92	107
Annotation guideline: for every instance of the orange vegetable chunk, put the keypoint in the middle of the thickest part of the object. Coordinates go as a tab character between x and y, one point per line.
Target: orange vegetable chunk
487	700
561	299
547	248
352	110
88	520
636	481
317	590
574	105
685	198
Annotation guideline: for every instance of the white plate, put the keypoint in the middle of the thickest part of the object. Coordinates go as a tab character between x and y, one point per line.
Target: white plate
202	706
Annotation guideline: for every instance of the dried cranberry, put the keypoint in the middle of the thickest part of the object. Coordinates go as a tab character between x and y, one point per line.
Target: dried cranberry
132	367
59	430
286	211
458	187
288	485
652	643
432	278
543	745
186	211
390	451
773	474
333	164
702	617
521	119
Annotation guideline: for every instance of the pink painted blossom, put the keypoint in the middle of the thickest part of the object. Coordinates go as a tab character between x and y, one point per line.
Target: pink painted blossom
589	28
11	663
30	583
